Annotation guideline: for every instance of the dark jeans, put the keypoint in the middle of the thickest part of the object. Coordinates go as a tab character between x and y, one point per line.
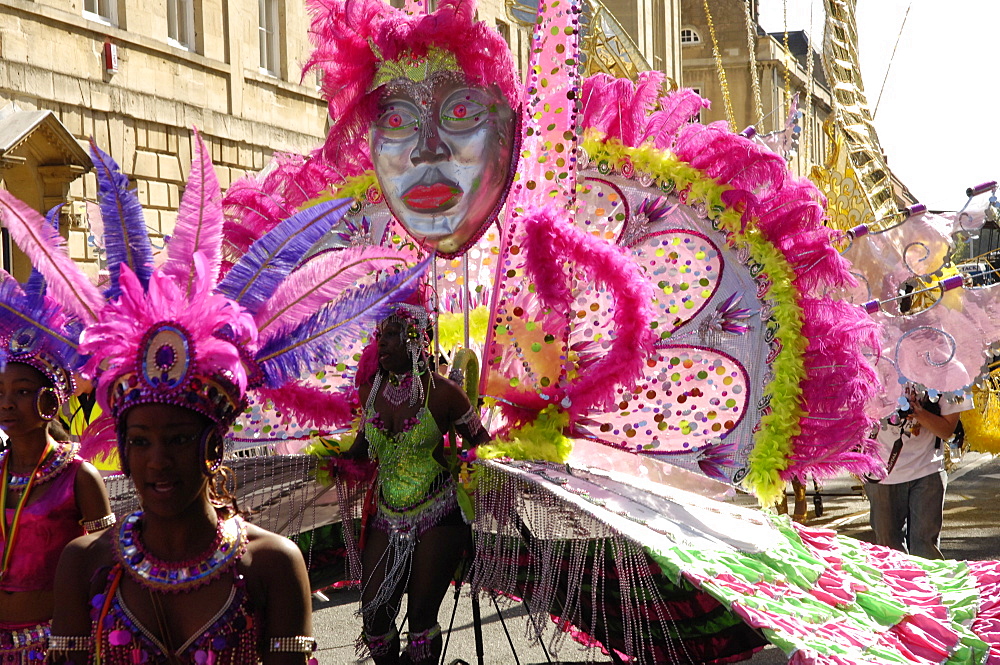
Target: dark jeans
908	516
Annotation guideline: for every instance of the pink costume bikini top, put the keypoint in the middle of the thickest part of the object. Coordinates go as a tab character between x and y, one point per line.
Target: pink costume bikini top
48	523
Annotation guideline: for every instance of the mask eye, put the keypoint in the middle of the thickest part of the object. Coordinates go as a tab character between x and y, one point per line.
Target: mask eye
463	112
397	121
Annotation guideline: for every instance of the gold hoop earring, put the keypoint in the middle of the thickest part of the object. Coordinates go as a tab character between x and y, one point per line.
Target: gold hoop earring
46	416
212	462
222	488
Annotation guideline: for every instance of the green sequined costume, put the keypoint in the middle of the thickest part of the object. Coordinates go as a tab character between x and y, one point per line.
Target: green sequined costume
415	493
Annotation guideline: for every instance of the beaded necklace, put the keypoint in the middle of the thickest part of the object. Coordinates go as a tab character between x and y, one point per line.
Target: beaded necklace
53	462
398	389
179	576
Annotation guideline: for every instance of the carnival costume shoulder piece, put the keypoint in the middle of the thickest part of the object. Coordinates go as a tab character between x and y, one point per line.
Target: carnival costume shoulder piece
684	311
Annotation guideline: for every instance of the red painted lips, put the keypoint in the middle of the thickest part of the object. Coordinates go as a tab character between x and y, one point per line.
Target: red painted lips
432	198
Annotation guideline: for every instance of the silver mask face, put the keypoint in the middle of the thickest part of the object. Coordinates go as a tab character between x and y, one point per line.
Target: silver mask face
442	153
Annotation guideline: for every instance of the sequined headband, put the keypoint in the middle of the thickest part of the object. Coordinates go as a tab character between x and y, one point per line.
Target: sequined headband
21	347
413	319
412	67
165	374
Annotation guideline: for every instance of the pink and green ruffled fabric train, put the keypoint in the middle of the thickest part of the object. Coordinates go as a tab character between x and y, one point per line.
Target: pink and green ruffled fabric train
661	574
829	599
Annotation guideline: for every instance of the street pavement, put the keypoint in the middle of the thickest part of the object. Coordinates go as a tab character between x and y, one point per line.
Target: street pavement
971	531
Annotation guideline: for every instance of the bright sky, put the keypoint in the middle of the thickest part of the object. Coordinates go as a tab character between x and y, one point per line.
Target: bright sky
939	116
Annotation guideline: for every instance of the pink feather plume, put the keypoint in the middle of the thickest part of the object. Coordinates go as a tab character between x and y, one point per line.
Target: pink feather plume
347	36
551	242
199	222
67	284
312	406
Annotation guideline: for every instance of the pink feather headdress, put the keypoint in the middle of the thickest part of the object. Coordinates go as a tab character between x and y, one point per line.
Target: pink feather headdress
354	38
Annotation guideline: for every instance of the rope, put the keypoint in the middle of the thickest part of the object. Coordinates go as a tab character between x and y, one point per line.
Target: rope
891	58
807	114
758	105
788	58
720	69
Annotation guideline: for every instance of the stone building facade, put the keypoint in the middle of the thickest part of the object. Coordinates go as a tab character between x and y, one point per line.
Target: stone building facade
781	74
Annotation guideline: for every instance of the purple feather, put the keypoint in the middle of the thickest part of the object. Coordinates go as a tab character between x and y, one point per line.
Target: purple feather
47	250
311	344
715	459
125	238
269	260
42	319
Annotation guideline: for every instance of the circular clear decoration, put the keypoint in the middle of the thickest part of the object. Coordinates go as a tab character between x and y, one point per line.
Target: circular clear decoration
23	341
166	355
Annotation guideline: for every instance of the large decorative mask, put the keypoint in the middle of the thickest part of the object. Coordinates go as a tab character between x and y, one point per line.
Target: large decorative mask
442	152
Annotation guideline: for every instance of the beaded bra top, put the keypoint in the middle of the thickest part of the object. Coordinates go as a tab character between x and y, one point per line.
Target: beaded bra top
406	464
231	637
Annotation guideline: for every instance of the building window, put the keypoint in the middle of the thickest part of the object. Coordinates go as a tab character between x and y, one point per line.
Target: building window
504	29
269	37
180	23
697	116
689	36
105	11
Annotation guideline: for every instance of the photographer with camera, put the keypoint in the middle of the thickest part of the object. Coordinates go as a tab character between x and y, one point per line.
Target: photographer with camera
907	506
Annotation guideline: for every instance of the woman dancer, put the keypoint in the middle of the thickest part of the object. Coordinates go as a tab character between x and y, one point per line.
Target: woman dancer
50	495
415	540
185	580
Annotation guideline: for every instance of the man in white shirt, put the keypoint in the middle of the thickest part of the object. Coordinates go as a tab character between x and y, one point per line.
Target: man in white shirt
907	507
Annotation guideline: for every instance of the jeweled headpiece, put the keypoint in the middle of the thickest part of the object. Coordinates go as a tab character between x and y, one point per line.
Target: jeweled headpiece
35	331
179	334
414	331
414	323
412	67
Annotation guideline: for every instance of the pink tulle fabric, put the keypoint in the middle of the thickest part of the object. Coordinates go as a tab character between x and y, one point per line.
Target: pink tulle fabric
344	34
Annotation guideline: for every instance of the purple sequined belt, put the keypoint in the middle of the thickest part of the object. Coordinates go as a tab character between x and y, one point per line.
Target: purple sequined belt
23	643
414	521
